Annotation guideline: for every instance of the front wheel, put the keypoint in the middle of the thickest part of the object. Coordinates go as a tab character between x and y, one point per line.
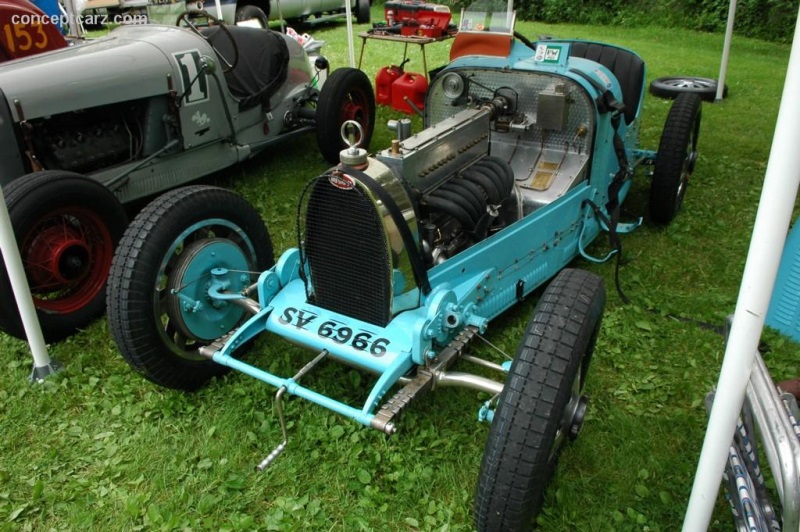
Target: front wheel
66	226
676	158
542	404
346	95
159	309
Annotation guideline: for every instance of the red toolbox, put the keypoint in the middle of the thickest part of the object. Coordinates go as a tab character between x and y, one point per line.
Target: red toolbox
418	18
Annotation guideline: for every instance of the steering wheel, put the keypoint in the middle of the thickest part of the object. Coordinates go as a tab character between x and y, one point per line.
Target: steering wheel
184	18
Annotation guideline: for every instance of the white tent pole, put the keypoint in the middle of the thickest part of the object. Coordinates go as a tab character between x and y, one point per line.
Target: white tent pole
42	364
73	19
763	259
280	16
351	46
726	48
219	12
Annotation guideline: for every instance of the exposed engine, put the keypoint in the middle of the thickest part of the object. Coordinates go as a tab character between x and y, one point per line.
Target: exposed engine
467	208
461	194
413	206
93	139
83	141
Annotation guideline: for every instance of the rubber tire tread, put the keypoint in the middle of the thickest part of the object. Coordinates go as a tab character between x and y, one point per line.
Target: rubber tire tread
363	14
682	121
334	91
42	191
131	319
557	344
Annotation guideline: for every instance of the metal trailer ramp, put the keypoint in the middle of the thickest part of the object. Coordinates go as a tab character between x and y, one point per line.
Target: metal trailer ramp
768	429
743	383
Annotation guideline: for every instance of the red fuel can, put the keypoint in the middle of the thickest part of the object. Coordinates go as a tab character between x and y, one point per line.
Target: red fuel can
414	87
383	83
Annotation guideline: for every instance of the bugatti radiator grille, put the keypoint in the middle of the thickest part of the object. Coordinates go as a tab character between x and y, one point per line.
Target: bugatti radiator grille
347	254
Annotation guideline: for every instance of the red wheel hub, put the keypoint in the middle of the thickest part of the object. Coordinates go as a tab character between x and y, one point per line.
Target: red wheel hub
58	255
355	108
67	255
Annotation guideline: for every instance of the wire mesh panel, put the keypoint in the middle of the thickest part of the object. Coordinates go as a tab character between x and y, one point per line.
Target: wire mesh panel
347	252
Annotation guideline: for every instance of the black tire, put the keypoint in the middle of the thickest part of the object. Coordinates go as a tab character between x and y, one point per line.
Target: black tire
346	95
671	87
148	265
66	226
296	22
676	158
362	11
250	12
541	405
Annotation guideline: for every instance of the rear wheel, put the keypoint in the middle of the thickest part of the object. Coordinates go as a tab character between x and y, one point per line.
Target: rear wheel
159	311
676	158
66	226
362	11
542	405
346	95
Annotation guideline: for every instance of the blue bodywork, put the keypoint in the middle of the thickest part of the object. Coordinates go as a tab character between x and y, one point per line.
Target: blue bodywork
475	285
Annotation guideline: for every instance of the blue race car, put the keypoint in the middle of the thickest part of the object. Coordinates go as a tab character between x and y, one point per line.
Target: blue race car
402	258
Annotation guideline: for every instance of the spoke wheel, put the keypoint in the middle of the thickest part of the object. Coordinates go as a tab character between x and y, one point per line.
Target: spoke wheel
672	87
66	226
159	309
542	405
67	255
346	95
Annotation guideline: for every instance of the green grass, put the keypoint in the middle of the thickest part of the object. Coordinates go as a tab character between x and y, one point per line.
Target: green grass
98	448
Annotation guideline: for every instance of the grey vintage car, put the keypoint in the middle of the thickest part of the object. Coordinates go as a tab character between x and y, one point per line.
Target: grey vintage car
259	12
293	10
91	127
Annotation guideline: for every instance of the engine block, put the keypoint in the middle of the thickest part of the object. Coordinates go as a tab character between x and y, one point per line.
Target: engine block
88	140
428	158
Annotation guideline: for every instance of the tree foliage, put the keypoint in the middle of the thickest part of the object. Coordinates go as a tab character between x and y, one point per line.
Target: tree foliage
772	20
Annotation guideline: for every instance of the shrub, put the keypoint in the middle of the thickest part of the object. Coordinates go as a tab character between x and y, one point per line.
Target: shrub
772	20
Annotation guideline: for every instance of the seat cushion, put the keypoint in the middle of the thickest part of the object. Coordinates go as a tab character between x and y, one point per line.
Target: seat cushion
626	66
262	66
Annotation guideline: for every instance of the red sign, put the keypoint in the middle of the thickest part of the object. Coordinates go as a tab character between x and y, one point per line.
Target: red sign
26	30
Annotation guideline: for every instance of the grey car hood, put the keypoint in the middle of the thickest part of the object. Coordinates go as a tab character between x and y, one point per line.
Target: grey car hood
130	63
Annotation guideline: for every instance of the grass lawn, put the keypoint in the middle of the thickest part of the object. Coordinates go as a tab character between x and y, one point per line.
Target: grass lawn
98	448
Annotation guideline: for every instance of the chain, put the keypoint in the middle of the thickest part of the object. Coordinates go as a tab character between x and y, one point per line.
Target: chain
422	382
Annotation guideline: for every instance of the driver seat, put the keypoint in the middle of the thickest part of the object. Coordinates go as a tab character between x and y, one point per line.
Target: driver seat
263	63
626	66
